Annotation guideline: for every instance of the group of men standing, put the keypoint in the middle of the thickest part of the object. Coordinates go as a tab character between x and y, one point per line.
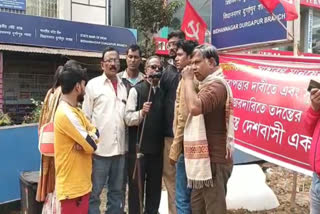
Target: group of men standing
134	128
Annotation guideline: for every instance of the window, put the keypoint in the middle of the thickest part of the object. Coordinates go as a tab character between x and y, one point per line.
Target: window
45	8
12	11
316	32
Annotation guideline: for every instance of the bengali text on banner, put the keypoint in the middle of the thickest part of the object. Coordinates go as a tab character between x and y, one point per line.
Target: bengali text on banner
270	101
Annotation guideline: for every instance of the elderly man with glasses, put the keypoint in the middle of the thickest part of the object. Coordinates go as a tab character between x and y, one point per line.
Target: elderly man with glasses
146	101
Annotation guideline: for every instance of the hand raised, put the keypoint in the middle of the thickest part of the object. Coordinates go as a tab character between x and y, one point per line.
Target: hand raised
187	73
315	99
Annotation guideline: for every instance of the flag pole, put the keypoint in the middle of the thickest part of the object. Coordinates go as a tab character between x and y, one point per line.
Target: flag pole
280	22
296	30
137	166
296	42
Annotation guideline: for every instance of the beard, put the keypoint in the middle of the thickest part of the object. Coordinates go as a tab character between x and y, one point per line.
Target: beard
80	98
172	55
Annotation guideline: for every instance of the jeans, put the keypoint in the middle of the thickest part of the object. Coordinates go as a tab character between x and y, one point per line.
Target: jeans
183	193
125	182
110	169
315	195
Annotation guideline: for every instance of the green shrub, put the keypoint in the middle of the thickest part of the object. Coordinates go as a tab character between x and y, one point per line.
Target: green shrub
5	120
34	116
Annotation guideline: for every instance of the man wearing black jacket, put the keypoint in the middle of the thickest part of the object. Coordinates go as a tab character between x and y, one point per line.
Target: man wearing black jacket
169	83
139	108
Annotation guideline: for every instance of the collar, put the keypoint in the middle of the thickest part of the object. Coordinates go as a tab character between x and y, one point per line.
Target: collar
106	79
217	74
125	75
171	62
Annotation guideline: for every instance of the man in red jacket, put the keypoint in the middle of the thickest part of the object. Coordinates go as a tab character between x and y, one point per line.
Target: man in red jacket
312	125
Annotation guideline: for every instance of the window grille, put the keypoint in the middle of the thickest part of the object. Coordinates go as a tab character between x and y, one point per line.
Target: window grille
45	8
9	10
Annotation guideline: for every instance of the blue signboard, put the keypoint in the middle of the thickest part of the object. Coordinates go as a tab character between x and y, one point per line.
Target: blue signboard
54	33
238	23
19	153
13	4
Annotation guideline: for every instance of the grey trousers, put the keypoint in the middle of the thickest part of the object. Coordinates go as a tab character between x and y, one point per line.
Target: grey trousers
315	195
212	200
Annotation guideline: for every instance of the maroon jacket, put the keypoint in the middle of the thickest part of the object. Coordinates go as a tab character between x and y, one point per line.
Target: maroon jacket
312	125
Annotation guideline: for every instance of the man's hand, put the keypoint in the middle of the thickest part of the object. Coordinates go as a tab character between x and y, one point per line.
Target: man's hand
187	73
172	162
315	99
229	152
77	147
146	108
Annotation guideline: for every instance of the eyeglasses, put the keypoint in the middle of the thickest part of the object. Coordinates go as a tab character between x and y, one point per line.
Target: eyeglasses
111	60
155	67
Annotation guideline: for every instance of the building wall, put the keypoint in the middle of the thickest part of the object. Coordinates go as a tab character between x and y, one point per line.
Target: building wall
88	11
95	11
64	9
118	12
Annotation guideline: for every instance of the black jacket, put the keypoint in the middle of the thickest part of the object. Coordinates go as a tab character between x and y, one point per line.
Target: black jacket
169	84
153	137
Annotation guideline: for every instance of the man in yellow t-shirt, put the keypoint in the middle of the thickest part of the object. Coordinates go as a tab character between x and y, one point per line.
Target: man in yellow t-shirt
74	142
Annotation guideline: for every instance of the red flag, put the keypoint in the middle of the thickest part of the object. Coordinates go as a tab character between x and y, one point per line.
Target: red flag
193	25
289	7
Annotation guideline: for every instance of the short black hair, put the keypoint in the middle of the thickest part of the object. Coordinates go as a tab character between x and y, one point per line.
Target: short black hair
133	48
187	46
108	49
179	33
72	74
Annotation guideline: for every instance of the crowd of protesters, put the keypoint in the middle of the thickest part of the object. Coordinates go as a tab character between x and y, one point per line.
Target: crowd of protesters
134	129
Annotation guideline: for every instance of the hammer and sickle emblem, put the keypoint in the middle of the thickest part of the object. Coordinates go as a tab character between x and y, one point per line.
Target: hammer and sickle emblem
195	32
